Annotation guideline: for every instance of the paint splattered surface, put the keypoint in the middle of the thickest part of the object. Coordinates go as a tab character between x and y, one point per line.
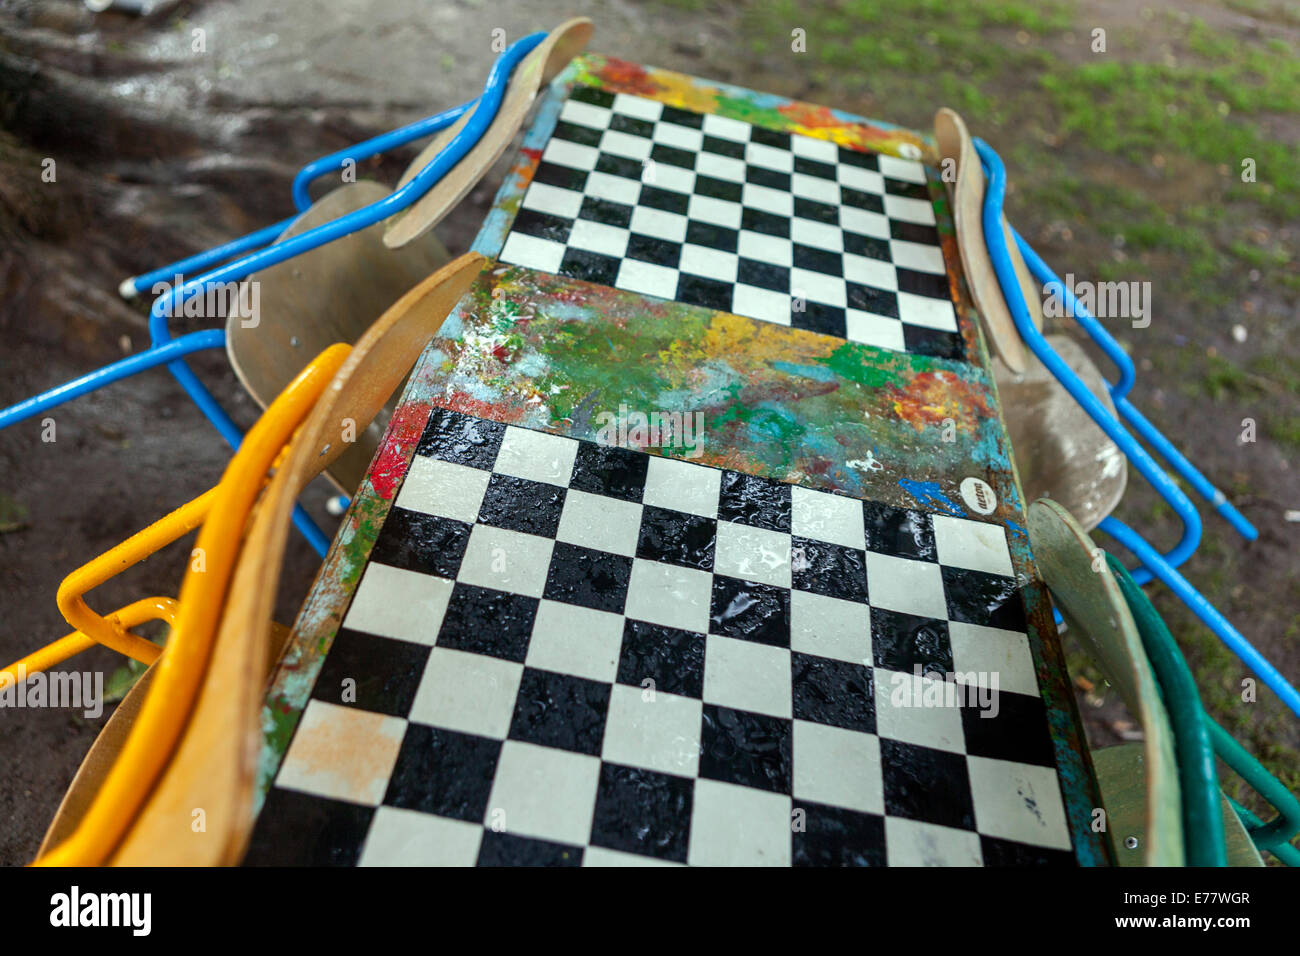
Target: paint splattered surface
572	358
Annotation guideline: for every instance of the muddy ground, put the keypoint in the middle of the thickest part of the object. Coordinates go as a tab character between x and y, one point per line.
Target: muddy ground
161	151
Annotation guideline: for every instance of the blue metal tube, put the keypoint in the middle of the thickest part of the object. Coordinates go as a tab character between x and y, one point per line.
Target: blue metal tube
202	260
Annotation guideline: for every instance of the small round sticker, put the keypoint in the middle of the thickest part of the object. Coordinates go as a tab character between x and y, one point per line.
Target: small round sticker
978	495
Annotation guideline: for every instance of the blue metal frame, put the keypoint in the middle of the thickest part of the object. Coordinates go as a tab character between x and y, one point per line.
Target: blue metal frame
165	349
1154	564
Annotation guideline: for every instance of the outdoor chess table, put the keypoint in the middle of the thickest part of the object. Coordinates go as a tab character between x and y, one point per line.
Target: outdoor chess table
696	535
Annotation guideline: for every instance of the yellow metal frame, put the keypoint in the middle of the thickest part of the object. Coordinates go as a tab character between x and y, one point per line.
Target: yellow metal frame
182	664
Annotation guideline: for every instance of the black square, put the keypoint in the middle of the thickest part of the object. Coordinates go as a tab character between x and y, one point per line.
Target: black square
976	597
764	275
560	710
632	125
443	772
857	199
923	283
485	621
680	117
672	156
818	260
592	95
605	211
899	532
1013	727
754	501
867	298
712	236
935	342
899	187
577	133
661	252
415	541
816	317
766	223
997	852
589	266
386	673
913	232
833	692
451	436
750	611
717	189
751	750
610	470
769	137
816	211
508	849
833	836
723	147
771	178
623	166
664	199
543	225
901	642
519	504
590	578
640	811
811	167
830	569
868	246
672	659
306	830
710	293
932	786
677	538
855	157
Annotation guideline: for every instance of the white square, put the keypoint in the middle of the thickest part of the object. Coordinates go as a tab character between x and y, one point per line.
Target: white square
585	114
977	545
775	201
830	627
815	188
394	602
537	456
821	150
665	594
761	304
545	793
919	710
443	488
506	560
564	152
819	287
668	176
682	486
913	843
638	107
569	639
863	180
864	270
908	170
598	237
915	255
907	209
754	554
738	826
342	752
720	167
662	733
600	522
986	651
864	222
769	157
901	584
773	250
540	254
710	263
1019	802
600	856
719	212
877	330
634	275
618	189
658	224
724	128
924	311
827	517
837	767
819	235
400	837
471	693
626	145
679	137
552	200
746	675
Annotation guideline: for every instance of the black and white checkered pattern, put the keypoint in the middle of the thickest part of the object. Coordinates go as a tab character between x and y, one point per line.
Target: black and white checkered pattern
563	652
712	211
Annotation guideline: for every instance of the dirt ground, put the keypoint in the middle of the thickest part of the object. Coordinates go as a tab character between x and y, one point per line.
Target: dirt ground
161	151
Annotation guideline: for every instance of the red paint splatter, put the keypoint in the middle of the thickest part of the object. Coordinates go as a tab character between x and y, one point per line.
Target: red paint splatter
627	77
404	433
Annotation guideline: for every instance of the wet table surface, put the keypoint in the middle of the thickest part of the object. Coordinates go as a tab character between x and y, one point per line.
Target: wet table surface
695	538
